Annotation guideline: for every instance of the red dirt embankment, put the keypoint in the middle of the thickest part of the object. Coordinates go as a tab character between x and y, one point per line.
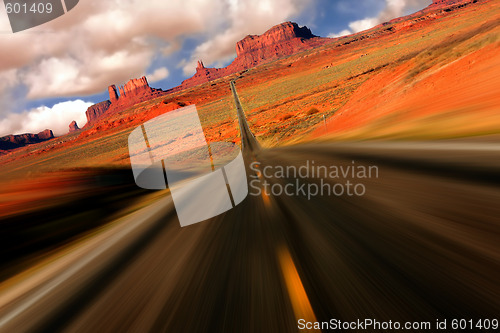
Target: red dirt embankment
464	93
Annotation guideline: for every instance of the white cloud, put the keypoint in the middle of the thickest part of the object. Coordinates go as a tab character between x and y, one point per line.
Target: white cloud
8	80
344	32
56	118
67	76
99	43
392	9
364	24
158	75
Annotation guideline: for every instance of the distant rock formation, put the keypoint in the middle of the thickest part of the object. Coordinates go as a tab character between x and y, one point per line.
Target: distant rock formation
203	75
281	40
16	141
45	135
446	2
449	5
135	91
437	7
113	94
97	110
73	127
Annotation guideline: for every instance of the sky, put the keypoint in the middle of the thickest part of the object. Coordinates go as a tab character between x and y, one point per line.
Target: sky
51	74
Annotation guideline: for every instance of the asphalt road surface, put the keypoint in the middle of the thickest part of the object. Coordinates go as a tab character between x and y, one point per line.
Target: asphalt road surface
418	242
250	145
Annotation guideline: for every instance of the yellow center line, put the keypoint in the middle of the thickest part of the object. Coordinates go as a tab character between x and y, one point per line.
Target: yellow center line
300	302
266	199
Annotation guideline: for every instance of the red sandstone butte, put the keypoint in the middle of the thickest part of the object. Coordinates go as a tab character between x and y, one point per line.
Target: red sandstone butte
280	41
134	92
113	94
45	135
95	111
73	127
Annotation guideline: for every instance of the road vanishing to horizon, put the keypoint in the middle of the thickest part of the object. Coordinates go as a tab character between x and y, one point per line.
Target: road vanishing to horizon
419	245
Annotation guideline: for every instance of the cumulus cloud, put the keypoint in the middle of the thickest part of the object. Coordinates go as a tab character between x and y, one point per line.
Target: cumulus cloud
392	9
344	32
158	74
99	42
364	24
8	80
56	118
68	76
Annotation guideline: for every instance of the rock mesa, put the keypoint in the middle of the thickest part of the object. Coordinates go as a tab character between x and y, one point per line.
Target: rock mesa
73	127
133	92
16	141
281	40
97	110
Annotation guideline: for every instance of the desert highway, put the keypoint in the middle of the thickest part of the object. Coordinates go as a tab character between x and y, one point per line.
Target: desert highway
248	141
421	244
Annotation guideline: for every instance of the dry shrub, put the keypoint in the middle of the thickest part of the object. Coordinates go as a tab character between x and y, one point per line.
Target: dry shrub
312	111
